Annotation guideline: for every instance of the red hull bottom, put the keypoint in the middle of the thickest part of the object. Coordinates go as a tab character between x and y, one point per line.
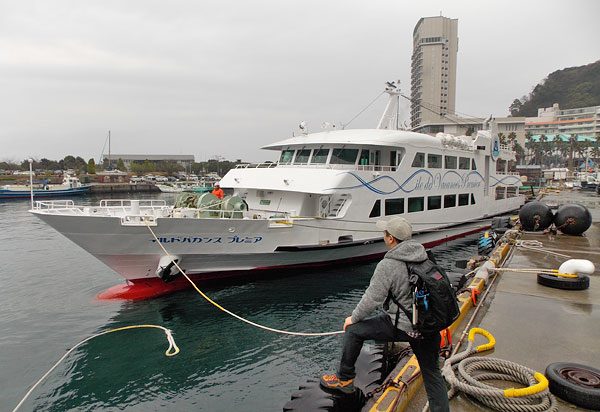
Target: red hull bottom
139	289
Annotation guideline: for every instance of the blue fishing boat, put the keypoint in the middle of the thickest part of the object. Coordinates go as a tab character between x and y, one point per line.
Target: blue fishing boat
71	186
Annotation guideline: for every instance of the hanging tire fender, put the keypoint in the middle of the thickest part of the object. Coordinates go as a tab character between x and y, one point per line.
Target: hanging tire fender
580	282
575	383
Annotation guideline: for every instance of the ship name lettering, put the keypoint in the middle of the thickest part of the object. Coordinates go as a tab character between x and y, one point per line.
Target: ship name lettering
207	239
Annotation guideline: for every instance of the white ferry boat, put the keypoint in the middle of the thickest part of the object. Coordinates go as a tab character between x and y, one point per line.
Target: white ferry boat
317	205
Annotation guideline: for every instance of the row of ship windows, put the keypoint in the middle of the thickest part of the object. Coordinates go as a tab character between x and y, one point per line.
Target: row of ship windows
417	204
350	156
338	156
434	161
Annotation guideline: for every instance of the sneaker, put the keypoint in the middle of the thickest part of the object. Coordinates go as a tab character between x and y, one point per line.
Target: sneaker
334	383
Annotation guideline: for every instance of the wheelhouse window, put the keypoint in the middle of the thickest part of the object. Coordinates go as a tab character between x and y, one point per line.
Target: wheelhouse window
319	156
449	201
434	161
419	160
364	157
344	156
463	163
286	157
376	211
473	165
394	206
450	162
472	199
463	199
434	202
302	157
416	204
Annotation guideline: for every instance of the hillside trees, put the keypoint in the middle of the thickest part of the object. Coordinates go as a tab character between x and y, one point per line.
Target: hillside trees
570	88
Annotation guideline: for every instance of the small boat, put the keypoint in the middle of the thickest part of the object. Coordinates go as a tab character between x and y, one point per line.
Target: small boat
178	187
316	206
207	183
71	186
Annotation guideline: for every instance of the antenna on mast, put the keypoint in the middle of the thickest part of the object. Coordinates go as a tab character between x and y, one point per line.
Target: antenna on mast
389	119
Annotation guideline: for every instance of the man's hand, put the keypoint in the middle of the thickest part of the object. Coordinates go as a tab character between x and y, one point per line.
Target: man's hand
347	322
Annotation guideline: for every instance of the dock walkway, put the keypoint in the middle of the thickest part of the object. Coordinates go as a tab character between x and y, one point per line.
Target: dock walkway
535	325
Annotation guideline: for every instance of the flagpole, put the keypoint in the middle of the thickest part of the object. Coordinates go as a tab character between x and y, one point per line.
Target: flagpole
31	180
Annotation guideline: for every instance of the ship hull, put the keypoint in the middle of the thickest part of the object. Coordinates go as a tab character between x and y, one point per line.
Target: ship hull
23	194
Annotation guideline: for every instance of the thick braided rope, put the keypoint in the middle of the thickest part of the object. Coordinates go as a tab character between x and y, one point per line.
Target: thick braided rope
467	375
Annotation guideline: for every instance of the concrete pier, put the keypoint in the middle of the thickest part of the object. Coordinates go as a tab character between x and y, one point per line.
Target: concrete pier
98	188
535	325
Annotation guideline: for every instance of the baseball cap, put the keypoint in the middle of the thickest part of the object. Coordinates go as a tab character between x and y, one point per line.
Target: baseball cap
397	227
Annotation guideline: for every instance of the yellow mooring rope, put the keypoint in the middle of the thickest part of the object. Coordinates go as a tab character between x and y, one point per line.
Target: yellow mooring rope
171	351
285	332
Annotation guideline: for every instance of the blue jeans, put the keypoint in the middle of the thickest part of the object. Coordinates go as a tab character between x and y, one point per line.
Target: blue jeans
381	328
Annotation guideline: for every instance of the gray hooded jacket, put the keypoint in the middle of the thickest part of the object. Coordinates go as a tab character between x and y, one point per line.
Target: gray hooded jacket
391	274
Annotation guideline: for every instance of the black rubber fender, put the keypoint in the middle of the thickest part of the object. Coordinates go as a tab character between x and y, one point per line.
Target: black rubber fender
500	224
573	219
579	283
372	367
575	383
535	216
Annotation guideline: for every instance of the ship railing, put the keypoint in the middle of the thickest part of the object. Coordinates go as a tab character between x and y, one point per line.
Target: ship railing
122	203
62	207
127	207
368	168
262	165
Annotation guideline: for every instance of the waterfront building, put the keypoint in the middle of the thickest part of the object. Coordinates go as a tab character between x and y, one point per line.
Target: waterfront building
433	70
128	159
112	176
582	121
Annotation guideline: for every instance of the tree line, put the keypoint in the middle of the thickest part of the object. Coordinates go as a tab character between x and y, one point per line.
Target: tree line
80	166
556	152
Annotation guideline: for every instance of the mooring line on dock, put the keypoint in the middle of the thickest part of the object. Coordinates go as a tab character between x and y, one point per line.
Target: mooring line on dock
553	272
171	351
285	332
537	246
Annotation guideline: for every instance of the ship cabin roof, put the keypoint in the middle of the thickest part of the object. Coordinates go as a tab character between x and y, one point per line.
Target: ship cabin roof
359	137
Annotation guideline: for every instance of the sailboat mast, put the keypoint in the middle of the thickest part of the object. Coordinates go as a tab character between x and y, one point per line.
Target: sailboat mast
109	159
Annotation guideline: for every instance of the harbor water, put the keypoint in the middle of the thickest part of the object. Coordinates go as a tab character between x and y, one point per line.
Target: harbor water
47	292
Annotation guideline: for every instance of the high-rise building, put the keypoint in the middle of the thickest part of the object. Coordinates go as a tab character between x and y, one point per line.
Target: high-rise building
433	72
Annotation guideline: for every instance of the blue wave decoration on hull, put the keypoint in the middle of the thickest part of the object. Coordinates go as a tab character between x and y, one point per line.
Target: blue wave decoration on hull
503	181
423	179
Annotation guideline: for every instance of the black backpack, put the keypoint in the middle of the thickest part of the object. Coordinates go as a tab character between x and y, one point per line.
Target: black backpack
434	302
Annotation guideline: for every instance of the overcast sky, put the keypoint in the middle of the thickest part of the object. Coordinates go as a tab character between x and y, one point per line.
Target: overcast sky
223	78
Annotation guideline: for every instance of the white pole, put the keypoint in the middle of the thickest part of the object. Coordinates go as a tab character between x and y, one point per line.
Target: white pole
31	180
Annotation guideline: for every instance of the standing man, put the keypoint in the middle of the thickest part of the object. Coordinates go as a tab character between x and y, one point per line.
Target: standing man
391	275
217	191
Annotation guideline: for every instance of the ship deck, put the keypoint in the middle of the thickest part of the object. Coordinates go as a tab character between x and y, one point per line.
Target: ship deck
535	325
